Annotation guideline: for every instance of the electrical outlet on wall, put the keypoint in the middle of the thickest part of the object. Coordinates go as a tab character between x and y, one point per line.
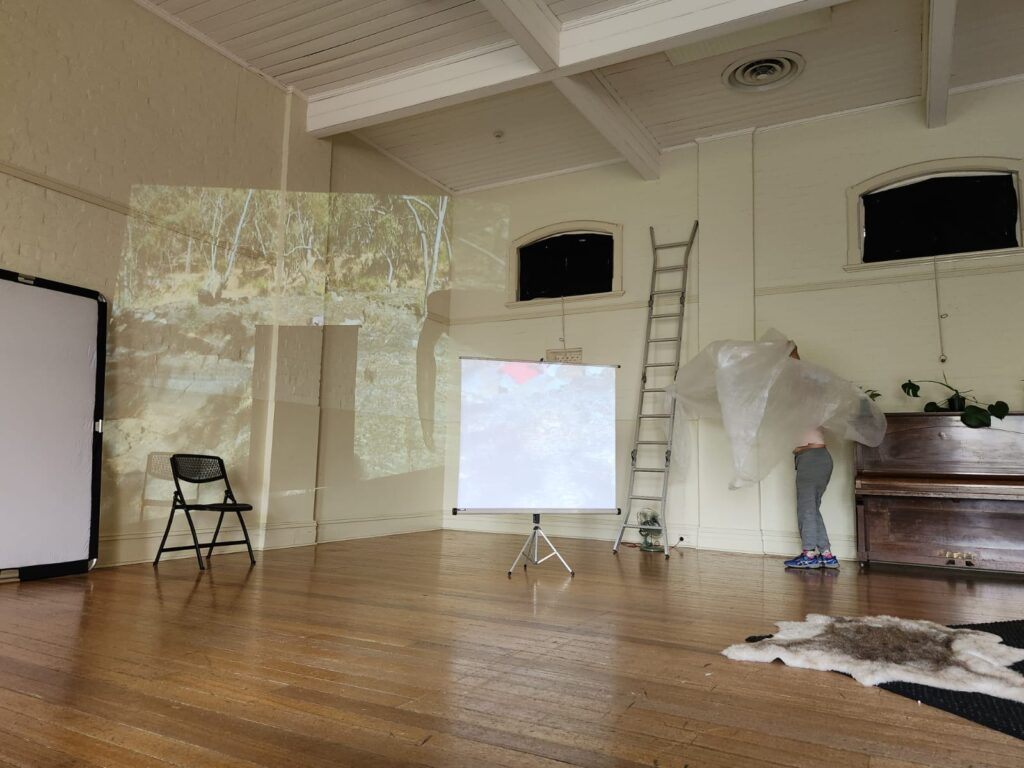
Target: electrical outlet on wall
571	355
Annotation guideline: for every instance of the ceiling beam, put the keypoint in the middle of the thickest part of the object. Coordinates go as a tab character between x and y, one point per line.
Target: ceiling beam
646	28
412	92
532	25
603	39
591	96
938	57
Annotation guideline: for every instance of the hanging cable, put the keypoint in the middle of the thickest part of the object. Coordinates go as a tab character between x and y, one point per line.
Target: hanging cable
939	314
563	324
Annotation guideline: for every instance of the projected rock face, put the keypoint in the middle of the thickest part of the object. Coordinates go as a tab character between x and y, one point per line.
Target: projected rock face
202	268
536	436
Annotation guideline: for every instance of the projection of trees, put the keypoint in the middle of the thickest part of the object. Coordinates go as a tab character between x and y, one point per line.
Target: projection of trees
203	267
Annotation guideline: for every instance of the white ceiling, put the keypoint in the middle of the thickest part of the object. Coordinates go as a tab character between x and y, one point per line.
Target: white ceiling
988	41
433	59
542	133
319	45
680	104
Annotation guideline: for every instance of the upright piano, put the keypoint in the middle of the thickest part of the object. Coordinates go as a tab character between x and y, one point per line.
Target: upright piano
937	492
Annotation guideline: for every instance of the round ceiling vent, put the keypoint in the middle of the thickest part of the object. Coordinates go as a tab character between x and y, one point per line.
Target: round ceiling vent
764	71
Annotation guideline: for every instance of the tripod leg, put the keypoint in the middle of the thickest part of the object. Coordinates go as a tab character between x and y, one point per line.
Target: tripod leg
556	553
521	553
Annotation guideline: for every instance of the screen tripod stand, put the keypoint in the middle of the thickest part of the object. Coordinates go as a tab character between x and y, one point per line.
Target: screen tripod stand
531	549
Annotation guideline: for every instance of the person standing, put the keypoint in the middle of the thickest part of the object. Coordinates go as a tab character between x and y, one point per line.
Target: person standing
813	465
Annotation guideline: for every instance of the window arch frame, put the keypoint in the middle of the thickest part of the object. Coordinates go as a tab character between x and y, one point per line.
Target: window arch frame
919	172
565	228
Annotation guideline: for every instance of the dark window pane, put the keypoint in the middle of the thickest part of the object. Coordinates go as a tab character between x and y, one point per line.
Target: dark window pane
566	265
947	214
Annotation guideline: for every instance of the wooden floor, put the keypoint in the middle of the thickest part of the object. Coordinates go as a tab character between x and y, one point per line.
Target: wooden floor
418	650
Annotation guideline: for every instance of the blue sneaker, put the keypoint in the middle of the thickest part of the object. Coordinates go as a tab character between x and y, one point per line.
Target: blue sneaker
829	561
804	560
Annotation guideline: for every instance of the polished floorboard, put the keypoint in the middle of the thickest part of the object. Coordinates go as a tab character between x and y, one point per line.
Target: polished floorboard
417	650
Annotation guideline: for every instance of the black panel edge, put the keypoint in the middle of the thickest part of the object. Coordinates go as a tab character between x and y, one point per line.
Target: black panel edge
97	443
34	572
97	435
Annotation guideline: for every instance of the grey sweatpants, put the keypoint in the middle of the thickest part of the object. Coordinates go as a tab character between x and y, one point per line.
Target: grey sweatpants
813	471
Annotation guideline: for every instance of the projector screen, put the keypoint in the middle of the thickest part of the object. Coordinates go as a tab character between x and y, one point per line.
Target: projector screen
51	367
536	436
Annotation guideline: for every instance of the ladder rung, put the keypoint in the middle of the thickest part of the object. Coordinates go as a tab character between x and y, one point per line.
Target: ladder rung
663	338
660	365
680	244
648	469
678	268
667	290
665	314
652	442
656	389
635	525
655	415
646	498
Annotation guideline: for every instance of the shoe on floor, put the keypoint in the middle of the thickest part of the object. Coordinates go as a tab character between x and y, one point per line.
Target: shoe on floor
804	560
829	561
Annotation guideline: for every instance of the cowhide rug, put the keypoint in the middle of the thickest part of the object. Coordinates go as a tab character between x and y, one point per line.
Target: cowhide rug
884	649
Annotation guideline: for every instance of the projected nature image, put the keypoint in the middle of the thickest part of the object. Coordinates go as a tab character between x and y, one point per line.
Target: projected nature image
537	436
202	268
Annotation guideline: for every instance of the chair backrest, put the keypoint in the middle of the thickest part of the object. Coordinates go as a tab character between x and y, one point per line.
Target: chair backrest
196	468
193	468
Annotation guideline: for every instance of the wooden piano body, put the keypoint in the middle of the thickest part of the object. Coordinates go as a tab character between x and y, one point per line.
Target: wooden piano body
936	492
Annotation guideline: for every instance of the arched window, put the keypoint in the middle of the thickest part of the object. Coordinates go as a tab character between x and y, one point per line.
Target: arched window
572	260
943	208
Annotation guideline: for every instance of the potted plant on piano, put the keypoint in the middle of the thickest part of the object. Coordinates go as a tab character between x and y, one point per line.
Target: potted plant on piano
976	414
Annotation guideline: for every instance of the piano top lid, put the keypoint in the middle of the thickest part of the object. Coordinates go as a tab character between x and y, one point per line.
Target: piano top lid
923	444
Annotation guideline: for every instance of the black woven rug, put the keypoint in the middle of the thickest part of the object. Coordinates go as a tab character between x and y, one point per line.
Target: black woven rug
1000	714
991	711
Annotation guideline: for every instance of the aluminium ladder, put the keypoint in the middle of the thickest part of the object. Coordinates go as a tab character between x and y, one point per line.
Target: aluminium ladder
648	485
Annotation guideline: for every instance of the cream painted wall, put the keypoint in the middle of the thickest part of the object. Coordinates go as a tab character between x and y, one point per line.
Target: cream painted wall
358	167
350	505
107	96
773	247
609	330
102	95
877	326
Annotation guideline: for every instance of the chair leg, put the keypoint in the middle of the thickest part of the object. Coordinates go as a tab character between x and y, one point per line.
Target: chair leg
245	533
195	540
213	541
163	541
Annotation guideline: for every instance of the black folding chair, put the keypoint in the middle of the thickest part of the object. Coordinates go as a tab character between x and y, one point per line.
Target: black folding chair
192	468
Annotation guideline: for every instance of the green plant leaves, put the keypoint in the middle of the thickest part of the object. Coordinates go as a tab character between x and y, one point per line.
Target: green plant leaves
911	389
975	417
999	409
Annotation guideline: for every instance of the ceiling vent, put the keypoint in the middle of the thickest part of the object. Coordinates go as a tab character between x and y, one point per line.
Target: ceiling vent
763	72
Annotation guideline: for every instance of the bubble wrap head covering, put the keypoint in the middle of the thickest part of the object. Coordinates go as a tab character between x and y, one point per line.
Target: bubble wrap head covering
768	401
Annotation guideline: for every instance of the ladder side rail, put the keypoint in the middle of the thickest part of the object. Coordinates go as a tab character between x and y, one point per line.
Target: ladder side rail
651	315
672	406
676	357
640	396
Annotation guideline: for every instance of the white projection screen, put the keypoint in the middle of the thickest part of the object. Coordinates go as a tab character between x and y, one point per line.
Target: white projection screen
536	437
52	339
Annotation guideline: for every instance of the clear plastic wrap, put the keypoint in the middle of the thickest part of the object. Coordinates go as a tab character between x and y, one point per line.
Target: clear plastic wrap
768	401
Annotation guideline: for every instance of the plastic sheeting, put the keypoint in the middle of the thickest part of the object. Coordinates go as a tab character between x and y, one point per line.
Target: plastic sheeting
768	401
